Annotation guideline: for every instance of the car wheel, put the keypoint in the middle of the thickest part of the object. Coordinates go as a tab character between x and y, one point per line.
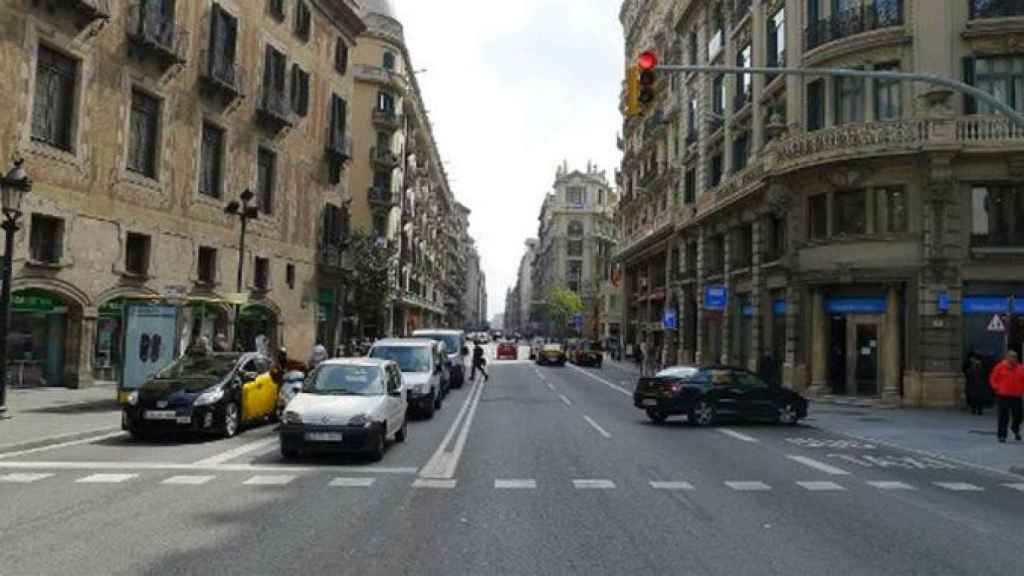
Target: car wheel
428	408
231	419
788	415
656	416
402	432
438	399
703	414
377	452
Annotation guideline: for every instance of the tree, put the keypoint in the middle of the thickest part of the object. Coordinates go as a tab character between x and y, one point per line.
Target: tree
562	305
371	288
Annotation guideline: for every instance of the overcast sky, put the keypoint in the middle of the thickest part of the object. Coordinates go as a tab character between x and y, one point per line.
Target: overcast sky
512	89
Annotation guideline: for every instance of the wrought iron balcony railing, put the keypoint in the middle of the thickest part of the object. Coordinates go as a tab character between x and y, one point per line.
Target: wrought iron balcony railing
275	108
381	196
149	28
221	73
995	8
339	145
872	15
387	118
383	157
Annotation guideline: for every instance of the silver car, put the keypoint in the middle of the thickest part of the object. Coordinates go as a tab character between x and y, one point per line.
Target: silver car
423	365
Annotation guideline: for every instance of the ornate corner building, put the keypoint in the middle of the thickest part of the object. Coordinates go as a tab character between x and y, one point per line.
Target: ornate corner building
851	237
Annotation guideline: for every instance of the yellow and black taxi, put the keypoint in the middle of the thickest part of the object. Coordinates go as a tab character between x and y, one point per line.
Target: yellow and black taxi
587	353
213	392
551	355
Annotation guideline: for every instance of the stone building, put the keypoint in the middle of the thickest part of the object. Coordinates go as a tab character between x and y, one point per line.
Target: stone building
853	237
518	304
575	240
399	187
139	121
475	301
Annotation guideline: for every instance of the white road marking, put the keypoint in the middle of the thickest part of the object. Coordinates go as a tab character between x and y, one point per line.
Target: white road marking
188	480
551	386
597	426
748	486
23	477
959	486
59	437
890	485
515	484
195	468
738	435
819	466
565	400
106	478
228	455
270	480
78	442
671	485
352	482
821	486
593	484
443	484
1019	487
615	387
443	463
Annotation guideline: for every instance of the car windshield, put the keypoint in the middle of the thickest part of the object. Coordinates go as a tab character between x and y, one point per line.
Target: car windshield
452	342
409	358
346	379
208	367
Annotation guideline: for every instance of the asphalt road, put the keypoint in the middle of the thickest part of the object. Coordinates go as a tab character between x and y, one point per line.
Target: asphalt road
537	471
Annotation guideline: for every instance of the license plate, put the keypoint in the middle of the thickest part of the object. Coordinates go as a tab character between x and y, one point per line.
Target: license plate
184	419
323	436
649	402
160	415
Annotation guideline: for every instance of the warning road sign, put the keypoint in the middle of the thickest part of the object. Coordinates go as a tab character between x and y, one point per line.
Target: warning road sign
996	324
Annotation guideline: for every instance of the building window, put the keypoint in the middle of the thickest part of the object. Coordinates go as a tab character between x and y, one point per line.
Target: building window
276	9
691	258
574	196
740	151
574	248
776	244
53	109
261	273
142	135
777	39
289	276
888	95
690	186
389	61
600	196
715	176
337	136
849	100
997	216
817	216
718	96
716	254
300	91
691	121
274	81
303	21
382	182
744	82
334	226
341	57
136	254
742	246
716	25
223	44
206	270
46	239
380	224
211	157
574	275
266	179
694	47
385	102
575	228
1000	76
850	212
891	210
816	105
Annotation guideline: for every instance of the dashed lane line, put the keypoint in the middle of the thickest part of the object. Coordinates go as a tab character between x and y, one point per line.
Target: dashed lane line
819	466
597	426
959	486
890	485
821	486
564	400
106	478
57	446
1019	487
188	480
671	485
434	483
24	477
738	435
747	486
593	484
515	484
142	466
352	482
270	480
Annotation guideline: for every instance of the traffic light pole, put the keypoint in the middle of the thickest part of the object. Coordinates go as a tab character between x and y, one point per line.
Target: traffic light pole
966	89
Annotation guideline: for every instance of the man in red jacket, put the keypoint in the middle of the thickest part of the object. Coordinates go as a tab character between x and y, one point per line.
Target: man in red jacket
1007	379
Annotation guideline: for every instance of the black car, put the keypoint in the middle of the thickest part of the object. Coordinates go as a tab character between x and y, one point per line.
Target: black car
587	353
706	394
211	393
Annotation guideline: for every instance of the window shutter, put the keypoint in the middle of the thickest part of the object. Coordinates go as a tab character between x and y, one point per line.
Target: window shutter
304	94
268	70
970	104
216	32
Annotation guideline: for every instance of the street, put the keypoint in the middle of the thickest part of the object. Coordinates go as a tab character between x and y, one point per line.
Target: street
536	471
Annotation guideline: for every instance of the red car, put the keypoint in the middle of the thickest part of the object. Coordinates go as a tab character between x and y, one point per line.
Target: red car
507	351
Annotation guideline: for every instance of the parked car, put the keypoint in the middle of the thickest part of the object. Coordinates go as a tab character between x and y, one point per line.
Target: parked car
551	354
217	392
587	353
507	351
706	395
291	385
458	352
346	405
422	363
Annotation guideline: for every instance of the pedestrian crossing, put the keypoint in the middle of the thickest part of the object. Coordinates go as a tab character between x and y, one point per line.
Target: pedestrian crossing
502	484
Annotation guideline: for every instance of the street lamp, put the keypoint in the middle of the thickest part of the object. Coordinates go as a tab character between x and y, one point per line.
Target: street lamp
245	212
13	187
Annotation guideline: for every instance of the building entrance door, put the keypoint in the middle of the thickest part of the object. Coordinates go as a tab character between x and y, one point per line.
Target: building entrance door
863	340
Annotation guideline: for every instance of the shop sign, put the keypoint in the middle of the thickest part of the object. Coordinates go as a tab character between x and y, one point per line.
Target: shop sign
715	297
943	303
855	305
35	301
986	305
670	321
779	307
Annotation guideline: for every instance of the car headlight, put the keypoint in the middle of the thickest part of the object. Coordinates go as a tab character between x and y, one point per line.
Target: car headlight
292	417
133	398
211	397
360	420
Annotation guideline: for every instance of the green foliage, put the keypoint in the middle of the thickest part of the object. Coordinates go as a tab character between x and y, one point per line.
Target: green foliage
561	305
370	283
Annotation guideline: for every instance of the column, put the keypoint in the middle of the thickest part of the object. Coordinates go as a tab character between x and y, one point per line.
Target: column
819	348
728	354
891	351
757	297
699	348
78	354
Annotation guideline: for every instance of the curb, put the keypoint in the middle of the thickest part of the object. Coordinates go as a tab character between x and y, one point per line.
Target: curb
52	440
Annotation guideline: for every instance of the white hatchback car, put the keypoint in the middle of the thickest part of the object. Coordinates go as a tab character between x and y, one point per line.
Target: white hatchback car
347	405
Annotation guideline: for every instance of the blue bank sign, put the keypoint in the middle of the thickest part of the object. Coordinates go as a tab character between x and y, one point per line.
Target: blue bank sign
715	298
855	305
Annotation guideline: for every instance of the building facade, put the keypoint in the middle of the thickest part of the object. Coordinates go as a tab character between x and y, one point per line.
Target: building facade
852	237
139	122
400	190
575	240
518	303
475	301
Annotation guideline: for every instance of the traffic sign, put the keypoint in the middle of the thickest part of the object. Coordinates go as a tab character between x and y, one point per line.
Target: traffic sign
996	324
669	321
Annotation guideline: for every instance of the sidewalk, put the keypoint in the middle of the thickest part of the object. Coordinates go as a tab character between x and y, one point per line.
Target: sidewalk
43	416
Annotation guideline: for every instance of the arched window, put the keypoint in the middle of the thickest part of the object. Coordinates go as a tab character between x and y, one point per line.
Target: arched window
389	61
575	228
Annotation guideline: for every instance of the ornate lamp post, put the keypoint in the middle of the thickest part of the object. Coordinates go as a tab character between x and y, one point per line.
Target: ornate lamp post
245	212
13	187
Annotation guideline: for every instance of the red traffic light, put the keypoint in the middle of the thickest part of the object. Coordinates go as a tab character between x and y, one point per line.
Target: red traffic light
647	60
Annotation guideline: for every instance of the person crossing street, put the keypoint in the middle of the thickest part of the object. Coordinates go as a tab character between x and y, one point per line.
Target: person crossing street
479	362
1007	380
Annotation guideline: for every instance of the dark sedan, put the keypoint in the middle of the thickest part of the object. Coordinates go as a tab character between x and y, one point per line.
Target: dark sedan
587	353
707	394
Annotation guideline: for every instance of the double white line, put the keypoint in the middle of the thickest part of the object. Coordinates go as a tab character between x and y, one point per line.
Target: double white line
444	463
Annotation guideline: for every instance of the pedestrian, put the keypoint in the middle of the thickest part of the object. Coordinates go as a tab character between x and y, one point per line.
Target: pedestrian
1007	380
642	358
766	368
479	362
318	355
976	391
638	355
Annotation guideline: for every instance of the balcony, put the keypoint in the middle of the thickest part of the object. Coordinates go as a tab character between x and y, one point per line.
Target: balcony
383	157
646	234
381	75
151	30
995	8
339	146
872	15
388	119
275	110
381	197
221	75
87	10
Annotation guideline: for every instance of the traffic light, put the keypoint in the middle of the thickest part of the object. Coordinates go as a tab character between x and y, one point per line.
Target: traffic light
633	91
646	63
